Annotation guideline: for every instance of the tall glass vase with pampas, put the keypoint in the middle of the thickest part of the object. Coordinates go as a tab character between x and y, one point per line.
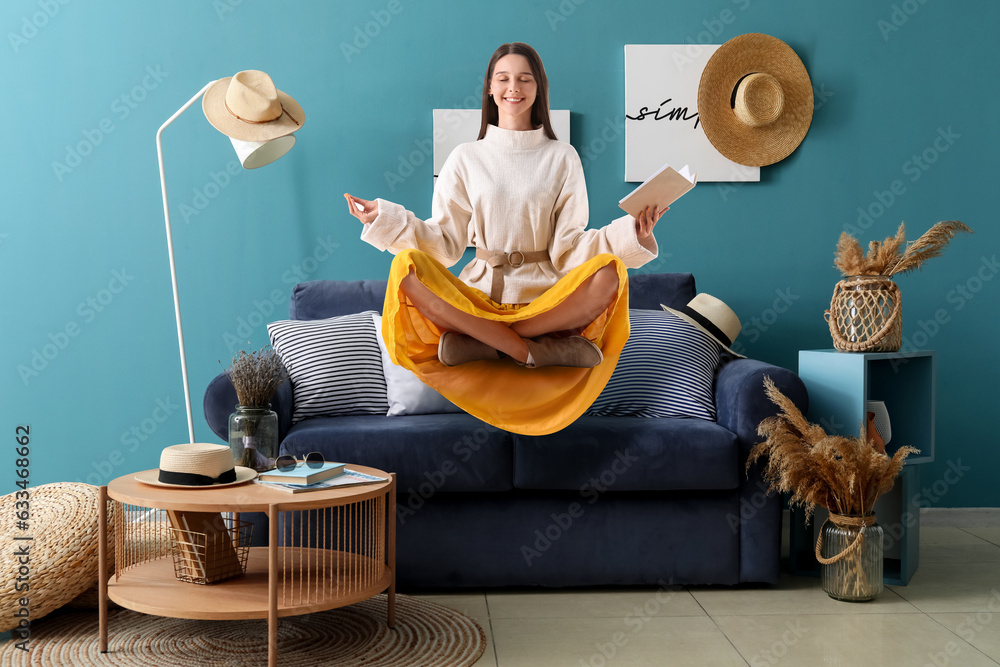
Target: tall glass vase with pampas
253	428
844	475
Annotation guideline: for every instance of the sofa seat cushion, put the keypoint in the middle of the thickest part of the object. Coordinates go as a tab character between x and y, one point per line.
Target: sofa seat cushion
428	453
597	454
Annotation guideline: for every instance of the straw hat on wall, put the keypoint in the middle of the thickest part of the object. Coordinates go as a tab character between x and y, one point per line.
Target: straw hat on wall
755	100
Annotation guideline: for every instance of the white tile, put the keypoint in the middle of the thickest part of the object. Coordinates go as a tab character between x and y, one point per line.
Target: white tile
792	595
869	640
980	552
981	628
619	604
956	545
677	641
934	535
991	533
944	587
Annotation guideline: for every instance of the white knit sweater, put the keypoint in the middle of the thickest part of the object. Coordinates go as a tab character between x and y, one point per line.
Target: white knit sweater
510	191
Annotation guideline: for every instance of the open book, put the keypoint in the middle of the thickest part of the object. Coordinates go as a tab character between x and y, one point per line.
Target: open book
661	189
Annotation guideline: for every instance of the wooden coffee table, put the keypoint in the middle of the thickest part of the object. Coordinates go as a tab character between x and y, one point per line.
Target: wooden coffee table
326	549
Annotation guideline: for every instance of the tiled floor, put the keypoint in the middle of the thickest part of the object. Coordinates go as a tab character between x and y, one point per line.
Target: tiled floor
949	614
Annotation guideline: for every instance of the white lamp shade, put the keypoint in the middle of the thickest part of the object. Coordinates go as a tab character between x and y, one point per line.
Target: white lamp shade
253	154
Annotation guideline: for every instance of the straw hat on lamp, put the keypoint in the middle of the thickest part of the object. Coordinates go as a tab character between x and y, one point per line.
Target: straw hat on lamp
755	100
258	118
248	107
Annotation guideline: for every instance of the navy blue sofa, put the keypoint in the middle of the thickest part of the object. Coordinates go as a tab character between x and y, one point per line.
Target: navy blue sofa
605	501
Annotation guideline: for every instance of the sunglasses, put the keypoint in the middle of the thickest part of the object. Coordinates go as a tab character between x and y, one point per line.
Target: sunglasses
285	463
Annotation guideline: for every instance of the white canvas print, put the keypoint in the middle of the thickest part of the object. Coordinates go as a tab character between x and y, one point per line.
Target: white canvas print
458	126
661	115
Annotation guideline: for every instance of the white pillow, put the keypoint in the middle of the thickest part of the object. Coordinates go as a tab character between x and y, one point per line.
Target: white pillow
406	393
334	365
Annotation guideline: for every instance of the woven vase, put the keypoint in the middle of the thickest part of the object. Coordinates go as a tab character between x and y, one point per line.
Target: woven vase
866	315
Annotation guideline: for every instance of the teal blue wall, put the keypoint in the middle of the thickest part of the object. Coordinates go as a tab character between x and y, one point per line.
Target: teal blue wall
90	353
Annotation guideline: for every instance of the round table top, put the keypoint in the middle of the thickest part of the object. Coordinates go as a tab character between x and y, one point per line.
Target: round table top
247	497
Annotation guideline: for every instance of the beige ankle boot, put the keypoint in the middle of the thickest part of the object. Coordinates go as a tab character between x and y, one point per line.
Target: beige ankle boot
574	351
455	349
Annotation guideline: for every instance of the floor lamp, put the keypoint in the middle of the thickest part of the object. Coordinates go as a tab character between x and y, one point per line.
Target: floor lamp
259	120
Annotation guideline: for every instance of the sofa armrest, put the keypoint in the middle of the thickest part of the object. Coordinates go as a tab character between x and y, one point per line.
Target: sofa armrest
741	403
220	402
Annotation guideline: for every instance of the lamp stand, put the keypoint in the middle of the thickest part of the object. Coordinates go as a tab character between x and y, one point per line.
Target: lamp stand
170	254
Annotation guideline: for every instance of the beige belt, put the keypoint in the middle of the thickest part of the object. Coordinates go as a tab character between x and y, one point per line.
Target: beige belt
499	260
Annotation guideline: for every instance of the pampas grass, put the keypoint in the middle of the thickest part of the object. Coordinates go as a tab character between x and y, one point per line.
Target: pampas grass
894	256
844	475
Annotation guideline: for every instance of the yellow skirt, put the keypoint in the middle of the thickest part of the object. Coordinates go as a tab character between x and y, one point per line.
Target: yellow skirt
530	401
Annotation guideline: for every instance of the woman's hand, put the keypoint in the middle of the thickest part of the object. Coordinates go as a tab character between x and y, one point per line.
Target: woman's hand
647	220
362	209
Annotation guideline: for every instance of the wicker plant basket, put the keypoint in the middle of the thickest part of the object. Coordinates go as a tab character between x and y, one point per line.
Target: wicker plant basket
866	315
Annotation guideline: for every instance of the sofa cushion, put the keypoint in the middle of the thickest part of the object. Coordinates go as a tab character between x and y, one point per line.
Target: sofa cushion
319	299
596	454
334	364
429	453
648	291
666	369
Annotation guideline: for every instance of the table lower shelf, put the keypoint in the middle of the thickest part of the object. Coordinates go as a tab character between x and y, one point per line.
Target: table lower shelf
309	580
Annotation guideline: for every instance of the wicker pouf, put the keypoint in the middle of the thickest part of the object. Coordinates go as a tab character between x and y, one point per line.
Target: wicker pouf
62	558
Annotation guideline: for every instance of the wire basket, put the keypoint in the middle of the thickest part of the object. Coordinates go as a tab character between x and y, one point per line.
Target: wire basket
215	554
866	315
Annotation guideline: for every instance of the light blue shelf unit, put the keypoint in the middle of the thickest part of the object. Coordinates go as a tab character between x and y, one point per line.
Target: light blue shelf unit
840	384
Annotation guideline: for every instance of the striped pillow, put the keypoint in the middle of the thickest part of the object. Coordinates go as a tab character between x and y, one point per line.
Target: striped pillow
667	369
335	365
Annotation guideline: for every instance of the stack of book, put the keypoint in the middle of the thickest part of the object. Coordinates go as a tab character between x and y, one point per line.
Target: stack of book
303	478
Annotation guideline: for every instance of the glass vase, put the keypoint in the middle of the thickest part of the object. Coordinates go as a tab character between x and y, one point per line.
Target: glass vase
253	437
851	558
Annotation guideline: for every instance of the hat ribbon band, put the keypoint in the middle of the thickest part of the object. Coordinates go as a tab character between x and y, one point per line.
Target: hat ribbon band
194	479
259	122
736	88
708	324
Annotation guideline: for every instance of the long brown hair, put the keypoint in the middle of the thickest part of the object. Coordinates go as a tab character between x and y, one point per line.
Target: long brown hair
539	110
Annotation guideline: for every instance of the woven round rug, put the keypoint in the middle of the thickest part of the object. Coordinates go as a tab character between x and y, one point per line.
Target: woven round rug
426	634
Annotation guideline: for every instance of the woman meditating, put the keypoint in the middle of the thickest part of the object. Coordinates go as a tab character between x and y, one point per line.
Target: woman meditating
543	289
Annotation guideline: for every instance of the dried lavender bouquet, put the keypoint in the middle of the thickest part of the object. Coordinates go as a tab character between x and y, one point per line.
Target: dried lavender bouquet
256	376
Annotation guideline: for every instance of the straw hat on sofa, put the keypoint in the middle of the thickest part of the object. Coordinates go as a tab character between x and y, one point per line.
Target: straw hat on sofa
248	107
755	100
713	317
197	465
